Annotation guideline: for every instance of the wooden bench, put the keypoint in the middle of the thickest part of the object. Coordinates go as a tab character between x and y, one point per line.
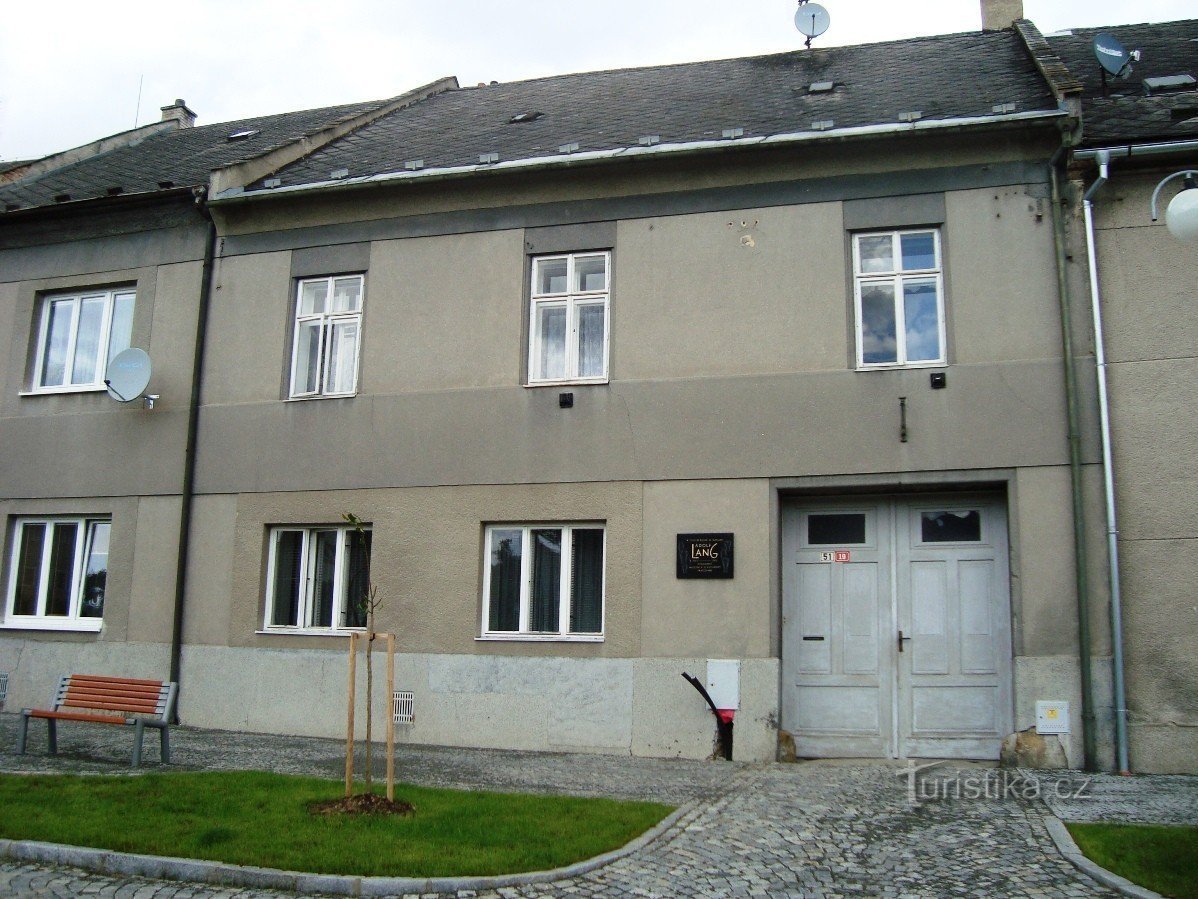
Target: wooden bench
108	700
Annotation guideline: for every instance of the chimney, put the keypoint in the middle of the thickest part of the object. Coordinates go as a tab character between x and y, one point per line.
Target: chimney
178	112
999	14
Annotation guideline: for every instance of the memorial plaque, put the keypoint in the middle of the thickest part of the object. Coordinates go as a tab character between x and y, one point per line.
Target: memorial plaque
704	556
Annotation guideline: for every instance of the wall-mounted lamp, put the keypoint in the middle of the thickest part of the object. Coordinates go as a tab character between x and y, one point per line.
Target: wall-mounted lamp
1181	218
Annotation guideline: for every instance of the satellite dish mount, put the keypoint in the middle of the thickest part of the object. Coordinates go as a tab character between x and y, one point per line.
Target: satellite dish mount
1113	58
128	375
811	20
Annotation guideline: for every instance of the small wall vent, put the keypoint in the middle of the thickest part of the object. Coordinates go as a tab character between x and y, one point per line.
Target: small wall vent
403	707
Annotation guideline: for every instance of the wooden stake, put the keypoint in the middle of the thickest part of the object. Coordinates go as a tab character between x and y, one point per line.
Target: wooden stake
391	717
349	725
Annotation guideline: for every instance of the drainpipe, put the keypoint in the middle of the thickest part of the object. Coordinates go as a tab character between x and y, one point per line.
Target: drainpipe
189	461
1081	574
1103	159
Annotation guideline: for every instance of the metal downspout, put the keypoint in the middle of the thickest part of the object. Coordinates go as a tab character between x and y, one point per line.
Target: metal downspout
1108	472
189	462
1089	732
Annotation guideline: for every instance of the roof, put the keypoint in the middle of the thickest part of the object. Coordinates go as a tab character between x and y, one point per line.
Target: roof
170	159
1126	112
976	74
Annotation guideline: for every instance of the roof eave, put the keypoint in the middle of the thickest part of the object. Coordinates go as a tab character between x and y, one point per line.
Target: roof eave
598	157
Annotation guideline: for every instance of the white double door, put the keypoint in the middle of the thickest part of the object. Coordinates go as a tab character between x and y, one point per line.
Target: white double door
896	627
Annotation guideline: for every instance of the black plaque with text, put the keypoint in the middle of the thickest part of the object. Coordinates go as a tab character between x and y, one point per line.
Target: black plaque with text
704	556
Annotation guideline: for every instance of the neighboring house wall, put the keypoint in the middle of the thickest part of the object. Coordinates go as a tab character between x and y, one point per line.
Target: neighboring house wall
80	456
1151	322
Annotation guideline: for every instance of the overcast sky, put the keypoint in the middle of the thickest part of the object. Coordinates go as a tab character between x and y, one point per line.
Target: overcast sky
70	70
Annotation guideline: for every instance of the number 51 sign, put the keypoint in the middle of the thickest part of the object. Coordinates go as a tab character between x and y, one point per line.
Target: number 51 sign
840	555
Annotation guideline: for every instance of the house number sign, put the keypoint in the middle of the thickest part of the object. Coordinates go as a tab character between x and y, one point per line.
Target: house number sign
705	555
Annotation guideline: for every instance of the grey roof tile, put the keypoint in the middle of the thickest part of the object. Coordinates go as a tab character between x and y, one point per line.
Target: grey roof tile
947	76
1125	113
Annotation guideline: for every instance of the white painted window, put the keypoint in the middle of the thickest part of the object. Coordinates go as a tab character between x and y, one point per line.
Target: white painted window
58	573
544	581
78	334
899	298
317	578
569	318
328	333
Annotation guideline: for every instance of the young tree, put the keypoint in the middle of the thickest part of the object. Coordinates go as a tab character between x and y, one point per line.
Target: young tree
364	599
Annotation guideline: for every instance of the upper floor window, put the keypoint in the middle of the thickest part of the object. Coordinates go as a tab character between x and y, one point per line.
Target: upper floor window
77	336
318	578
899	297
58	574
568	323
544	581
328	332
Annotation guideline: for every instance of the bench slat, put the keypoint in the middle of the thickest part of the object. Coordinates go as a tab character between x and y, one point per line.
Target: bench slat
76	716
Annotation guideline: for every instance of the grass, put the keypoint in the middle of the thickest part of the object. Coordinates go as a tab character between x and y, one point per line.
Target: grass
255	818
1160	858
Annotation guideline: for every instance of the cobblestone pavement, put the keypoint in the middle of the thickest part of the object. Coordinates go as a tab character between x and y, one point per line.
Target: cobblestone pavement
816	829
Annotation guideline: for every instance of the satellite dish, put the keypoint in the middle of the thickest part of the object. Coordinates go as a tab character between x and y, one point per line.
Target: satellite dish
812	20
128	374
1110	53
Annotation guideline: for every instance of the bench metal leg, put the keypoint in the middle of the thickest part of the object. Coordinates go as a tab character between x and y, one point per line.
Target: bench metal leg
139	730
23	734
52	735
164	734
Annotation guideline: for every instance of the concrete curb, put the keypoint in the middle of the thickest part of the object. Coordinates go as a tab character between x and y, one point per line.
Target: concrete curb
1064	840
106	861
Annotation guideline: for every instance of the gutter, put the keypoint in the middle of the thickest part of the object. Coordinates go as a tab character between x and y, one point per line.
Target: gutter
189	460
1102	157
566	160
1128	151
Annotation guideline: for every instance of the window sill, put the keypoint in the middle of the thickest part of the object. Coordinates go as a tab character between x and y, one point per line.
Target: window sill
540	638
576	382
51	391
74	625
309	632
900	366
321	396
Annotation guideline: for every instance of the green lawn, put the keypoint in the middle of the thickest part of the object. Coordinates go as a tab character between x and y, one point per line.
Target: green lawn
254	818
1164	859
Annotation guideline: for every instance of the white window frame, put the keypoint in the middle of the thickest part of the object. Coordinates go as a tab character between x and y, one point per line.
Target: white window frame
896	276
306	604
76	299
571	300
327	321
563	633
85	531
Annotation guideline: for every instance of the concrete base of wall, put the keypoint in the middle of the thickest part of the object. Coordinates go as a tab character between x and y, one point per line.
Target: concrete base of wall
1163	748
1059	678
35	666
640	707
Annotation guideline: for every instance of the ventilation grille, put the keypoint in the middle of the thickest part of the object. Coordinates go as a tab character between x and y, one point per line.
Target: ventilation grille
403	707
3	687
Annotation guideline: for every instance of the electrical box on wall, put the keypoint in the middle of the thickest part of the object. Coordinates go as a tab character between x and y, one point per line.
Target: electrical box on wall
1052	717
723	683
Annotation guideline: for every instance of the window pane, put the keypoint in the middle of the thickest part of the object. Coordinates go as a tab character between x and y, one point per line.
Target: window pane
289	547
343	352
314	297
878	340
322	576
357	579
347	295
590	340
550	276
95	571
87	341
551	342
506	552
875	253
62	568
29	569
836	529
922	314
545	600
58	335
121	332
590	273
586	582
307	359
919	250
951	527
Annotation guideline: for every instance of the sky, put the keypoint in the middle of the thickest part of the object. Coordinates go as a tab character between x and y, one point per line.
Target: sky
72	71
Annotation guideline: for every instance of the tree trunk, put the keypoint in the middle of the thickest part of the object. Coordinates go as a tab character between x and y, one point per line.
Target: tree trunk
369	692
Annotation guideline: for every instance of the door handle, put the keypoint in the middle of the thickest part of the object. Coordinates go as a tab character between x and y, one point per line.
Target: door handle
901	638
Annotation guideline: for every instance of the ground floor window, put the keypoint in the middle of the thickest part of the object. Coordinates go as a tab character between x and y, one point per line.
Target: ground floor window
318	578
544	581
58	573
